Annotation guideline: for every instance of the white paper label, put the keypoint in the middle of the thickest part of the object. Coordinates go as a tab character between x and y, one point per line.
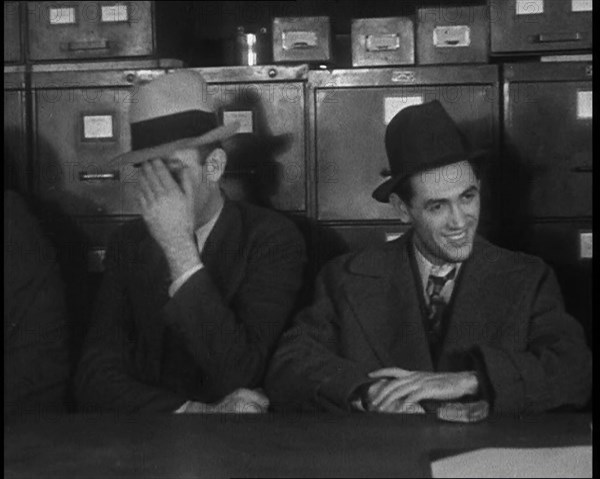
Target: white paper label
394	104
392	236
584	105
244	118
98	126
61	16
530	7
581	5
114	13
585	245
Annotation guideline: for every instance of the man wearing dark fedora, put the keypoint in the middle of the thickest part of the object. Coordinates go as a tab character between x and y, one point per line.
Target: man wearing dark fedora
195	293
439	318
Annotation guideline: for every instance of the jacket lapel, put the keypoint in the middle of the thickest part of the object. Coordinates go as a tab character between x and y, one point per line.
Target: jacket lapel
386	305
467	319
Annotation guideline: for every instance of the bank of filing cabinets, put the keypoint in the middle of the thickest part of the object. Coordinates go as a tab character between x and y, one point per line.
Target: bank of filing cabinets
15	127
80	124
84	30
525	26
269	104
548	127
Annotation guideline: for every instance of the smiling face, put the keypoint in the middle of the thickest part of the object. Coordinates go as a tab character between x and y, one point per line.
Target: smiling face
444	212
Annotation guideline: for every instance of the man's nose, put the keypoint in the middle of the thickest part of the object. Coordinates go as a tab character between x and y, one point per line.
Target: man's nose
458	218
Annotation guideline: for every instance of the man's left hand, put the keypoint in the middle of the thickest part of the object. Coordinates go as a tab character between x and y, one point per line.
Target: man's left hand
167	210
410	387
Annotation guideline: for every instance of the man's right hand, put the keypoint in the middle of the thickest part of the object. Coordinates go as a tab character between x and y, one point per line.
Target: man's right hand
240	401
397	407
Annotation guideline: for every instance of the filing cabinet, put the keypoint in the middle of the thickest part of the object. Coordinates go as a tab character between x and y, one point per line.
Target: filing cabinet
13	52
16	168
80	125
548	131
566	246
528	26
382	41
453	35
302	39
84	30
352	109
269	103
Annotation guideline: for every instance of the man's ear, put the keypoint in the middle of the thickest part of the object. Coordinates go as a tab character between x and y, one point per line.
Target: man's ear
401	208
215	165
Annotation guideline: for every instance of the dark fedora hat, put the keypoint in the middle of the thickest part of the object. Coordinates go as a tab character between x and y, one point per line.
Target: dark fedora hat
420	138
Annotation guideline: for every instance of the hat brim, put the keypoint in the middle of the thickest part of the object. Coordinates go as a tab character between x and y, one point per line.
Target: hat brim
382	192
139	156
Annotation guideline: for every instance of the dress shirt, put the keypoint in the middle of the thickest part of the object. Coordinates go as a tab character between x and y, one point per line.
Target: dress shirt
201	235
427	268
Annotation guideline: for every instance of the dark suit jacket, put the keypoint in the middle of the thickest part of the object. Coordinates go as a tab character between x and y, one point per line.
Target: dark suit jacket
148	352
36	365
507	315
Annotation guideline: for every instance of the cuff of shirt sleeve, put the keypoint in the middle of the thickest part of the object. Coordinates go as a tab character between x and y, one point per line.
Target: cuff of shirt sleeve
179	282
182	408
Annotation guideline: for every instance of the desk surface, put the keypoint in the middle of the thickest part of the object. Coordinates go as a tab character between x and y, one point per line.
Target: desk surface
194	446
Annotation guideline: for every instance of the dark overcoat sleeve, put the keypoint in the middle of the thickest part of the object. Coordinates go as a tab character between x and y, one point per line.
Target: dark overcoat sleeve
307	371
36	366
106	378
555	367
232	339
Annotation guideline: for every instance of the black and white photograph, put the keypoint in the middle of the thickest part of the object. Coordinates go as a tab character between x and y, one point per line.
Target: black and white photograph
312	238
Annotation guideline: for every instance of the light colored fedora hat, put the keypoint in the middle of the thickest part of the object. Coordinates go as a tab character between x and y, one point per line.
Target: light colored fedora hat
172	112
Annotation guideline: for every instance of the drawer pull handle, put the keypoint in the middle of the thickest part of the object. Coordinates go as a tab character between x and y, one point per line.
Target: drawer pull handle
582	169
93	45
106	176
558	37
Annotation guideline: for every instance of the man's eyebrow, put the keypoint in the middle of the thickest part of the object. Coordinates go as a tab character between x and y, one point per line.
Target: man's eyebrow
470	189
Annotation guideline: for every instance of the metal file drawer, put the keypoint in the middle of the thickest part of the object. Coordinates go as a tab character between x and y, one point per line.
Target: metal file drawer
15	138
382	41
566	246
352	109
269	103
83	30
540	25
548	131
302	39
80	124
453	35
13	52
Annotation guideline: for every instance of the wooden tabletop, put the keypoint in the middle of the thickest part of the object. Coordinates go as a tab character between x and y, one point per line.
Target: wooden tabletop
196	446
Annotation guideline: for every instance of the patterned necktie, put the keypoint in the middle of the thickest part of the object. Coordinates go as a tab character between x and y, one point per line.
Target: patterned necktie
435	309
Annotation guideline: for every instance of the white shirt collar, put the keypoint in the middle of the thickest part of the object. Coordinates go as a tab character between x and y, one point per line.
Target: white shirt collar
205	230
426	267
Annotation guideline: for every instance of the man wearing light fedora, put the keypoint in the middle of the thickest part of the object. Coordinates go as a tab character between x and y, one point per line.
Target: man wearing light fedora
439	318
195	293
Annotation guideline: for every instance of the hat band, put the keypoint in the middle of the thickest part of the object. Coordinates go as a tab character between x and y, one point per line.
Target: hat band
169	128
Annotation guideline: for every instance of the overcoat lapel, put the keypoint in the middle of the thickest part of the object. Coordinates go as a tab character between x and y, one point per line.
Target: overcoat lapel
467	318
385	303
